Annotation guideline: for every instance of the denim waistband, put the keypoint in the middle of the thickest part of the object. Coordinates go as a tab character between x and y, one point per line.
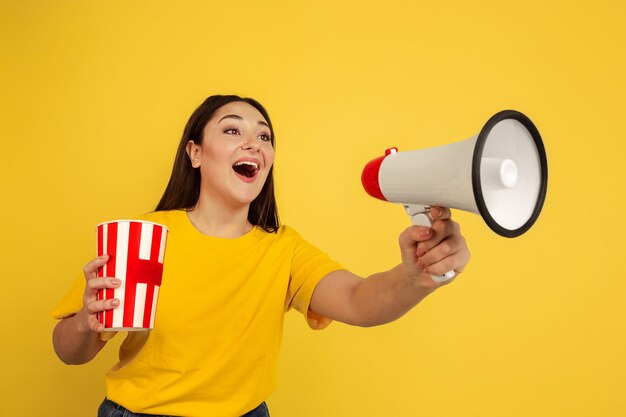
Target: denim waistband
110	408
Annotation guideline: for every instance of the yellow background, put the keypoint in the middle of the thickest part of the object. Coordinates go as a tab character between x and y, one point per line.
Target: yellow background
94	97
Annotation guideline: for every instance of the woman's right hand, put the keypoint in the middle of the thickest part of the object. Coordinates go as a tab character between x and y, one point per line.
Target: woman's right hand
77	339
91	304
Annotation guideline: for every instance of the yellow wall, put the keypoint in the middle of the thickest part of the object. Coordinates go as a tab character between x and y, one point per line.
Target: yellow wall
94	96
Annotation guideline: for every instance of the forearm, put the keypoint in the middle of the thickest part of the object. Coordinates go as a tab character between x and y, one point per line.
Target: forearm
378	299
386	296
74	343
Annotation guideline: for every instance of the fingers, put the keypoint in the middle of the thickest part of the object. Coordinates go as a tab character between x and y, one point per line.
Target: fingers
91	269
418	240
94	324
95	306
451	254
92	305
414	234
434	250
98	306
409	240
446	250
92	286
440	213
442	228
103	283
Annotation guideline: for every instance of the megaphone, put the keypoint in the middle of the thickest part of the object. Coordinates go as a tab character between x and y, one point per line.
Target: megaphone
501	174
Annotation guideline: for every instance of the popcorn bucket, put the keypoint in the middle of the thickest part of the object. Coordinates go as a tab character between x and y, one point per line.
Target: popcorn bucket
136	250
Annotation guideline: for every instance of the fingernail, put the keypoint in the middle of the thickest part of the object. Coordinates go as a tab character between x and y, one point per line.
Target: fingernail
115	302
116	282
427	232
103	256
420	252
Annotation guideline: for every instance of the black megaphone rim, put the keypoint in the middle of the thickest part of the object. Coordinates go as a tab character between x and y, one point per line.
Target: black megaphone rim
476	161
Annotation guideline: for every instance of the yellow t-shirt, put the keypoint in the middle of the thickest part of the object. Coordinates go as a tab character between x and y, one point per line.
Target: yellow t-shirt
219	320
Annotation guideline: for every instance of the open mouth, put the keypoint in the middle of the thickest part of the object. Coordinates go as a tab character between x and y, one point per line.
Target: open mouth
246	168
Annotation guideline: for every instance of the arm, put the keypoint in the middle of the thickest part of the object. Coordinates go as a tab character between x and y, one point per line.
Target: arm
76	339
386	296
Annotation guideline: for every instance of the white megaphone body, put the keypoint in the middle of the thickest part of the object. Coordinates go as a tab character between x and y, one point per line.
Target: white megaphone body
501	174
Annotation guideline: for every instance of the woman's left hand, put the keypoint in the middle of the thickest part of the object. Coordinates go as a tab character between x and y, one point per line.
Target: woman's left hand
435	250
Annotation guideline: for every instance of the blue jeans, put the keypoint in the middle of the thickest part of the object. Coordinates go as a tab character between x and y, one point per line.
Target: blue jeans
110	409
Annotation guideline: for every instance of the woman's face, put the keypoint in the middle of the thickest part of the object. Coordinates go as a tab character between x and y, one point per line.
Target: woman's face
235	156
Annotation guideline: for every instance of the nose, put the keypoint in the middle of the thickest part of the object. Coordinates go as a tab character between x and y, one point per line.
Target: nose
251	144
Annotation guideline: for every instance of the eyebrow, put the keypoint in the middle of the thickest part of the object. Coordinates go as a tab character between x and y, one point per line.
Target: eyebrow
236	116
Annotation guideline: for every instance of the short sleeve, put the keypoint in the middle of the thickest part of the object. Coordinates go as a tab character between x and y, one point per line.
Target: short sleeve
309	265
72	302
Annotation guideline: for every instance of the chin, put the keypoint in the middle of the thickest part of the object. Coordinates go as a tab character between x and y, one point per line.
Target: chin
246	199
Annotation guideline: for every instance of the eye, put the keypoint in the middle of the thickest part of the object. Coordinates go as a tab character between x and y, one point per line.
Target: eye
265	137
231	131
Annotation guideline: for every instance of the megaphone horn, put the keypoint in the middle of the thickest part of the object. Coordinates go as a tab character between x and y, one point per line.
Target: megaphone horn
501	174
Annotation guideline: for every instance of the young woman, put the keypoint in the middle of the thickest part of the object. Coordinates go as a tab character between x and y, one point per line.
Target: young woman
231	271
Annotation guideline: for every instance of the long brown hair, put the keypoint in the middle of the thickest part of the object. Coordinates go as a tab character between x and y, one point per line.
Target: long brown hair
183	188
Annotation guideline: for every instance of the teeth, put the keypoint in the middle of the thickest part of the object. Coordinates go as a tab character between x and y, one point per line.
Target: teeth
252	164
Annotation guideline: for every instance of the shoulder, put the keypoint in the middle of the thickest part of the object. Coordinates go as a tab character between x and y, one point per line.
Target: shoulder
169	218
284	237
288	233
175	221
285	230
290	237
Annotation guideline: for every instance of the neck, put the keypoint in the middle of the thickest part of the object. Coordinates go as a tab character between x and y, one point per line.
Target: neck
216	220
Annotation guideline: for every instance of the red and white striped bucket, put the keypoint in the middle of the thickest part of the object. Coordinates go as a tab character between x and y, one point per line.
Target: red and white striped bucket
136	250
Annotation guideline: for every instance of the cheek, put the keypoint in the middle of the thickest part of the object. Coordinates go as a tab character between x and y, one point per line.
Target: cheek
269	158
216	154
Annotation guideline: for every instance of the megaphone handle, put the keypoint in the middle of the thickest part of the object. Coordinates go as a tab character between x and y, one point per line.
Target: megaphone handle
424	219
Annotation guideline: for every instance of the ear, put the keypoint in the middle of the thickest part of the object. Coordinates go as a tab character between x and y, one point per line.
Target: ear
193	151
